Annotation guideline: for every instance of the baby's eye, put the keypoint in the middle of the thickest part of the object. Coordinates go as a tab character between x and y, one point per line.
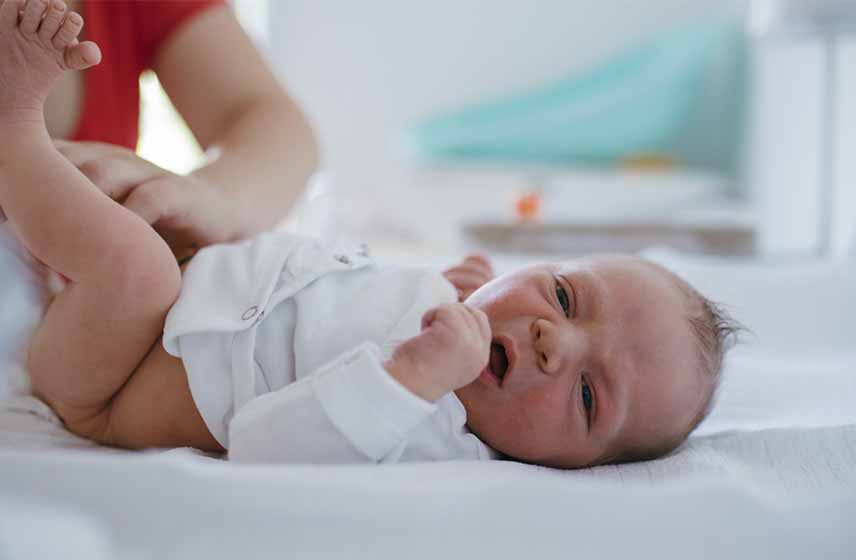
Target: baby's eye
586	391
564	300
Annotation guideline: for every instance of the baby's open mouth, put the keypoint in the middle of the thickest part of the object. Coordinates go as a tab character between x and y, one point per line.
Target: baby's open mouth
498	360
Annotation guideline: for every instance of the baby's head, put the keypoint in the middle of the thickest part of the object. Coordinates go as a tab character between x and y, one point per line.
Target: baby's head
604	359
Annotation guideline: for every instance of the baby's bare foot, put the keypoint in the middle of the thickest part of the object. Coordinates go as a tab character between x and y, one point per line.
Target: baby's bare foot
38	41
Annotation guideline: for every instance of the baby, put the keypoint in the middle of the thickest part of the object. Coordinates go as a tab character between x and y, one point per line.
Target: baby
283	349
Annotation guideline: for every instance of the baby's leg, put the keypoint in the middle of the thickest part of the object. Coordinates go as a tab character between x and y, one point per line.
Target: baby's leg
123	276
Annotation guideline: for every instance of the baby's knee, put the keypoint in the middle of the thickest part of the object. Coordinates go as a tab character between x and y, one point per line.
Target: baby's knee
152	278
162	281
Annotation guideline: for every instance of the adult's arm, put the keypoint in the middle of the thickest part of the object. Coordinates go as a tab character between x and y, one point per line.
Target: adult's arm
234	105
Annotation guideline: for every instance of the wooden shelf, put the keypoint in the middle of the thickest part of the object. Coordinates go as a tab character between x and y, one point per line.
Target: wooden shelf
578	239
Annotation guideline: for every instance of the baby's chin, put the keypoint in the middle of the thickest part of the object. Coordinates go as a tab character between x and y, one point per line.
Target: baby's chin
542	460
513	450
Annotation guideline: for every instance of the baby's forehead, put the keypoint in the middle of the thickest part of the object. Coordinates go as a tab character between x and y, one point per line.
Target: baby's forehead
640	299
617	272
607	263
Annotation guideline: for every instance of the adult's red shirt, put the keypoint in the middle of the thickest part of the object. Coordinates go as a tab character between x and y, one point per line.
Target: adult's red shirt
129	33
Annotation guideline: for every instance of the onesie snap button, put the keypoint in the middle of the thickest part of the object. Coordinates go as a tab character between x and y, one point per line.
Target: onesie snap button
260	317
250	313
344	259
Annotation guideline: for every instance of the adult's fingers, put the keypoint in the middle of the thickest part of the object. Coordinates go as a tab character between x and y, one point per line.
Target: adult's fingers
153	201
117	177
80	152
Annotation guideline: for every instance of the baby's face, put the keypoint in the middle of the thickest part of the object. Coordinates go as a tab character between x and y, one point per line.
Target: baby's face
589	358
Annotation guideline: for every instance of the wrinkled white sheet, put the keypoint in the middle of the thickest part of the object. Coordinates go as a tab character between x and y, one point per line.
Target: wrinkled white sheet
772	472
759	495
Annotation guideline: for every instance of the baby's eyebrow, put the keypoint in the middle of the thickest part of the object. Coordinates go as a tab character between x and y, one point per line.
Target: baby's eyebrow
588	292
612	403
621	394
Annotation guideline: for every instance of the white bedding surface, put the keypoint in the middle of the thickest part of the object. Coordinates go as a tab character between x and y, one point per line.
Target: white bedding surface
766	494
771	473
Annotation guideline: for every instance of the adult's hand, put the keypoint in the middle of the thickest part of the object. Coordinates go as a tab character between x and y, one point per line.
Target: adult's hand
188	213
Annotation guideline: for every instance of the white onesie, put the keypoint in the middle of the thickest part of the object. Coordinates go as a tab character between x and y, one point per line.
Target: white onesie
283	339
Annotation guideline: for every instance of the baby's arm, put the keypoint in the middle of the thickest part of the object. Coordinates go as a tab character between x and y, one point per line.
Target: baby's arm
450	352
349	411
358	409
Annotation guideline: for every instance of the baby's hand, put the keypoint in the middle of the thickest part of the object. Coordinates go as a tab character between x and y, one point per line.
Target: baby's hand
450	352
470	275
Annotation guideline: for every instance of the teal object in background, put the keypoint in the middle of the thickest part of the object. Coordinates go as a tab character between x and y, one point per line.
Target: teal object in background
638	102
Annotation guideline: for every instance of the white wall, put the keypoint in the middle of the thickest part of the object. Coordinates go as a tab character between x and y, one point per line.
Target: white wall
364	69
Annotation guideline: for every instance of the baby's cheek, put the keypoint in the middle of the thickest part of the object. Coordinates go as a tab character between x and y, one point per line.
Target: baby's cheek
548	398
545	412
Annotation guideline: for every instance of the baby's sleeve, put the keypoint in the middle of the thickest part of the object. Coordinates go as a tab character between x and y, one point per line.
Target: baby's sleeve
350	411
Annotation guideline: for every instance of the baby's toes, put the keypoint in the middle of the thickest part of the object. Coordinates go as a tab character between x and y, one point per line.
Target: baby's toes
9	10
52	21
80	56
68	30
33	12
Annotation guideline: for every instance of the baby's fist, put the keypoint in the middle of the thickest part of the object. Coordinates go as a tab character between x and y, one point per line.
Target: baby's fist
449	353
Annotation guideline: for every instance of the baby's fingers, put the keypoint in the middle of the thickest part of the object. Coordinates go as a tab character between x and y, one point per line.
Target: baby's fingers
466	276
482	323
480	263
429	317
476	267
469	322
465	282
469	276
456	318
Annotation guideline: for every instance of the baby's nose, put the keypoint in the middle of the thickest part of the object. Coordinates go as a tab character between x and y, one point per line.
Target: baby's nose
546	346
558	347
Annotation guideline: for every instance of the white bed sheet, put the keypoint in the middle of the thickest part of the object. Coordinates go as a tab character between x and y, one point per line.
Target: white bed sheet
772	472
773	494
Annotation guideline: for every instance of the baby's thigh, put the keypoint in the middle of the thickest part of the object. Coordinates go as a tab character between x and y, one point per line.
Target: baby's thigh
156	409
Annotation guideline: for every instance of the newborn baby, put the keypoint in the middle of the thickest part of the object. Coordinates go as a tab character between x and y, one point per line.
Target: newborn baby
284	349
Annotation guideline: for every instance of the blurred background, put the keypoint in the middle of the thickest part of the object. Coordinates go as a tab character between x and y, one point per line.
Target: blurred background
565	126
715	136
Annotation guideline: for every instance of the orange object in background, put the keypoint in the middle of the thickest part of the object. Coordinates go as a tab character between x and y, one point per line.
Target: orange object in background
528	206
649	162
